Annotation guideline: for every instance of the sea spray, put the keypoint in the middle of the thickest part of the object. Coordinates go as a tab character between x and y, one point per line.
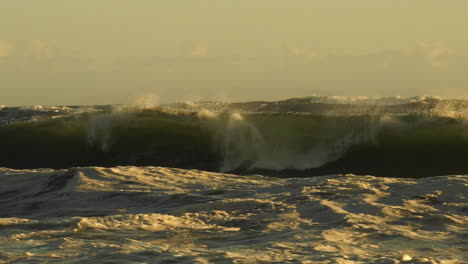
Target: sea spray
294	142
99	131
239	142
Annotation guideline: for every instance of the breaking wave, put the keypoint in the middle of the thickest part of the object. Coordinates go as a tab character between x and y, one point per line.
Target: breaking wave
295	137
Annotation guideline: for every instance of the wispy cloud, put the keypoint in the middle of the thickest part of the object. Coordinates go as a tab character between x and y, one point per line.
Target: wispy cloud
199	51
295	51
35	49
437	55
6	48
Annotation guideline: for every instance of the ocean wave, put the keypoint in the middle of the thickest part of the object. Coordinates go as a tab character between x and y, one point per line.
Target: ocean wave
412	140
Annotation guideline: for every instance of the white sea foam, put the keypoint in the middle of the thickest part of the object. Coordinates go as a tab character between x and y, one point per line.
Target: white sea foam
154	214
207	114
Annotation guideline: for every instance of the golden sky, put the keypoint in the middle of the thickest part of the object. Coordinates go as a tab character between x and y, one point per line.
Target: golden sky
109	51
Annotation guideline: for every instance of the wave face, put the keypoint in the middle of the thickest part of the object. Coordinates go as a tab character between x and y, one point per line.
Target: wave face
397	137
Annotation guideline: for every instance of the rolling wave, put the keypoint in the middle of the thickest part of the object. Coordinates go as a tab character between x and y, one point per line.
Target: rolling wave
384	142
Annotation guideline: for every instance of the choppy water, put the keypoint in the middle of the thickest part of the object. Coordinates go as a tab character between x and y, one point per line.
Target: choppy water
163	215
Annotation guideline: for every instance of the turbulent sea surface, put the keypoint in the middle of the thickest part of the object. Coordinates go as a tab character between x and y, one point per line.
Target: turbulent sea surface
304	180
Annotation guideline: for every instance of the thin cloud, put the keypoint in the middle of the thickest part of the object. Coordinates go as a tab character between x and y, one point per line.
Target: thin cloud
36	49
295	51
199	51
6	48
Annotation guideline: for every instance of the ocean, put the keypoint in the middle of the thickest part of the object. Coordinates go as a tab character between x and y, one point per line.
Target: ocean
319	179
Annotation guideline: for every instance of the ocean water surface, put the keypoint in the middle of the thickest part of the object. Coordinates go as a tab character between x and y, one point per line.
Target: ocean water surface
302	180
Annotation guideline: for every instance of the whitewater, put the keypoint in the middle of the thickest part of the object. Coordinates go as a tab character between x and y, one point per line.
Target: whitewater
303	180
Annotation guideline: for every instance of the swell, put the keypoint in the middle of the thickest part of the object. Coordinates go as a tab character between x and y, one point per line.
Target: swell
281	143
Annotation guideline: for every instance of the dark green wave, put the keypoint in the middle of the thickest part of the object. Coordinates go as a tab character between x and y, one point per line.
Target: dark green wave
282	144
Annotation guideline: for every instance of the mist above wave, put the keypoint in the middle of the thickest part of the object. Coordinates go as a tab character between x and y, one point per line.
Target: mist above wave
323	105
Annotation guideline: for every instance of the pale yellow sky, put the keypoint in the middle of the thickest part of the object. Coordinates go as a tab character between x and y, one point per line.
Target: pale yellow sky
108	51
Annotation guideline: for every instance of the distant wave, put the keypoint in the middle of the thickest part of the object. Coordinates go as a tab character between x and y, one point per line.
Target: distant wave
294	137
